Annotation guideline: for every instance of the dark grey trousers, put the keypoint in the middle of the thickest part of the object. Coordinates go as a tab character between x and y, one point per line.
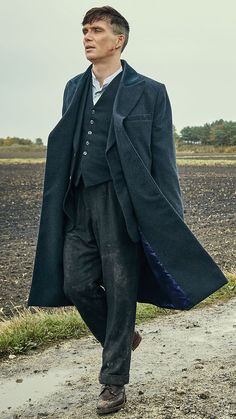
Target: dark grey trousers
101	271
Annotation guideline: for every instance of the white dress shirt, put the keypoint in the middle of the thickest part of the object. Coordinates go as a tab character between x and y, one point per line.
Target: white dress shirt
97	89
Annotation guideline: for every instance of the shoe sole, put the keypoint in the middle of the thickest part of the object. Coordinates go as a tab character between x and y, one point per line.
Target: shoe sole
111	409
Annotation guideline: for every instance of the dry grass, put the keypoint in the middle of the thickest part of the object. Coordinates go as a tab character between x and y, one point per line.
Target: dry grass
195	149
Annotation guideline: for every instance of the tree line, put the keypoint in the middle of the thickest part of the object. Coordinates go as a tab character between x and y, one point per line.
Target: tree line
11	141
218	133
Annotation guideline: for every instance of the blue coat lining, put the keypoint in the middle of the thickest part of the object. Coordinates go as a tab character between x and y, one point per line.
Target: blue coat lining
170	293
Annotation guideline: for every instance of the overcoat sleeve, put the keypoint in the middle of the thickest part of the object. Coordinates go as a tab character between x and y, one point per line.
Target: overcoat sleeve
164	169
66	97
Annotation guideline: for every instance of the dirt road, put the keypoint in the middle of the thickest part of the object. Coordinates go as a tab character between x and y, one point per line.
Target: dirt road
184	368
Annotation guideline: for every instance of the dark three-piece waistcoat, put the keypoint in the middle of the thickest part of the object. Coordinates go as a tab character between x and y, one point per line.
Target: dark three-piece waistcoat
91	163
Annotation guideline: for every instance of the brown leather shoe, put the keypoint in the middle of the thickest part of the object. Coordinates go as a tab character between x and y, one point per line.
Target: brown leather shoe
136	340
111	399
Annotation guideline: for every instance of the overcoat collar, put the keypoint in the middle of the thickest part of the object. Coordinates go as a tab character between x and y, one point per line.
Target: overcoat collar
129	91
131	81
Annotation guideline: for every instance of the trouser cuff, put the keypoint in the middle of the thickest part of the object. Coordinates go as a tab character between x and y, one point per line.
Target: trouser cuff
113	379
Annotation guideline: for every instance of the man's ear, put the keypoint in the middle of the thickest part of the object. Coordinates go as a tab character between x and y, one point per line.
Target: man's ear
120	41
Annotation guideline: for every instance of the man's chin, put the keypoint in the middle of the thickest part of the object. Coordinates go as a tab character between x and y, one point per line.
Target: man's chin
90	57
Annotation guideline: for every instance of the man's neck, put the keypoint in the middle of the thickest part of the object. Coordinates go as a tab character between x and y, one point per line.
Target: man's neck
103	70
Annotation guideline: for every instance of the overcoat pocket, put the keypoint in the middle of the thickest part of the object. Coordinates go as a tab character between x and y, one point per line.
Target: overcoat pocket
139	117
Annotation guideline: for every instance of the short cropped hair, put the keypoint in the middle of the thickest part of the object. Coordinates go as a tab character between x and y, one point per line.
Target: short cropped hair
118	22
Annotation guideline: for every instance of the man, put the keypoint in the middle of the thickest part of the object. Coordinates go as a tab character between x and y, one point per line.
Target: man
112	231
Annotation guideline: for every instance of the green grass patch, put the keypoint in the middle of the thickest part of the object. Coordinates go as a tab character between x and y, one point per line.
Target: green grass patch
34	328
204	162
30	160
37	328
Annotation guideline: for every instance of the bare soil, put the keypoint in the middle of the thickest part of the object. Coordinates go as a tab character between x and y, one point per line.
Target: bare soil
183	368
209	201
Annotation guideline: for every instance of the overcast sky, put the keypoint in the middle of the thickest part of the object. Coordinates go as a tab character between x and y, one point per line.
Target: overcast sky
187	44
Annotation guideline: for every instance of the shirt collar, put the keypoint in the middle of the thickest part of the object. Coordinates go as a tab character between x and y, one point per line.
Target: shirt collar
108	80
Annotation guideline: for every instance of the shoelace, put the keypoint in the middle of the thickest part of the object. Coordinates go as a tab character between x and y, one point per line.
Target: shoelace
108	387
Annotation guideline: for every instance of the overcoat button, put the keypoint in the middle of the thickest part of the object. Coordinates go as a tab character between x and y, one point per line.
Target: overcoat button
85	152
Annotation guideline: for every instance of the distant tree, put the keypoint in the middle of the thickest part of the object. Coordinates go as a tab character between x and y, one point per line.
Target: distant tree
38	141
230	128
191	134
23	141
205	133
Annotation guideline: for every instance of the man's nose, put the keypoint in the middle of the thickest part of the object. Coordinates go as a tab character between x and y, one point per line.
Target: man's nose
88	36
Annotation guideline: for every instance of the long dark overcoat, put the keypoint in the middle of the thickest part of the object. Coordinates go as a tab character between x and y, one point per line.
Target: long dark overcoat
176	272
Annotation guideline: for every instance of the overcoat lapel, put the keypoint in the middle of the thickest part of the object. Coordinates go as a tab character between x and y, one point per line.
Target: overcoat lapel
61	138
129	91
81	97
68	121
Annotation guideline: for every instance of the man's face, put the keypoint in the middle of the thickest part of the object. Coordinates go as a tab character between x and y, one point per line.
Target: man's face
99	41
